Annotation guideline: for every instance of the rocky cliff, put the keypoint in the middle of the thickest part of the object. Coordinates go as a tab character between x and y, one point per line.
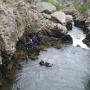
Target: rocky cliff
17	16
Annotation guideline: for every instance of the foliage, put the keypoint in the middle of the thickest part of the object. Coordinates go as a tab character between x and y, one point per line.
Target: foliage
35	26
6	1
82	7
57	4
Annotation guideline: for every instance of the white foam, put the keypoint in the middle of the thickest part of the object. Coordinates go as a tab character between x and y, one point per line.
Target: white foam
78	35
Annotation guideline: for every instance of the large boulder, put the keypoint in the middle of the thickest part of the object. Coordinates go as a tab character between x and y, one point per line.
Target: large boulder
87	40
87	13
59	16
69	18
87	22
67	39
53	29
70	9
45	7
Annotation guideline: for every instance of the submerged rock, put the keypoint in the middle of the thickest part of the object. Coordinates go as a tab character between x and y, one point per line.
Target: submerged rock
47	64
41	63
69	25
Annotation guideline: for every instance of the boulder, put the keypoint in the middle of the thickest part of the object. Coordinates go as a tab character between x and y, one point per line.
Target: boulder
45	7
70	9
87	13
67	39
33	58
47	64
41	62
59	16
87	40
46	16
0	60
79	21
57	30
69	25
87	22
69	18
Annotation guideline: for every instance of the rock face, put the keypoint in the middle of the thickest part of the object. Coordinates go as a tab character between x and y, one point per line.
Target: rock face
8	31
55	30
87	40
59	16
69	18
45	7
67	39
20	18
70	9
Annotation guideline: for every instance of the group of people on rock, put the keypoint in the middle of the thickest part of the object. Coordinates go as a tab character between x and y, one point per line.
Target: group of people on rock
34	40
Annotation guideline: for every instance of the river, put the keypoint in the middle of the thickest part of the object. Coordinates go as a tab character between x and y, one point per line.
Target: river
70	71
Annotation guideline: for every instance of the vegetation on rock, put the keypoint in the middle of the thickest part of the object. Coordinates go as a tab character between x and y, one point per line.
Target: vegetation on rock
82	7
57	4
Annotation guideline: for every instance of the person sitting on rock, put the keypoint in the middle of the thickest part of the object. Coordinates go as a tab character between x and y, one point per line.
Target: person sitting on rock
29	44
39	36
34	41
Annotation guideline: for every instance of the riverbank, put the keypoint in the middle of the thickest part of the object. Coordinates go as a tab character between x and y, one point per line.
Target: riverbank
26	18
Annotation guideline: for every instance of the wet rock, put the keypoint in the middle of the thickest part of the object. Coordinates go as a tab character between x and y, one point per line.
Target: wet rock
1	84
67	39
80	21
46	16
69	18
87	13
45	7
59	16
87	22
69	25
78	46
87	40
58	44
34	58
48	64
54	30
41	63
19	55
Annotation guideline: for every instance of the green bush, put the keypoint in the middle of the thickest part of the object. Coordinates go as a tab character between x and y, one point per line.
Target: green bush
35	26
57	4
81	7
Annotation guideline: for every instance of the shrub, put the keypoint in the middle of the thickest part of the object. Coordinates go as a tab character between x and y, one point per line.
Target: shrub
57	4
82	7
35	26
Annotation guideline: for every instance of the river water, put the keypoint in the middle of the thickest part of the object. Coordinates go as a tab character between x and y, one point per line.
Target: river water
70	71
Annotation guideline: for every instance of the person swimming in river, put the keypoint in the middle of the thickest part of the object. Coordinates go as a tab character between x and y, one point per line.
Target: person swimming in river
47	64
